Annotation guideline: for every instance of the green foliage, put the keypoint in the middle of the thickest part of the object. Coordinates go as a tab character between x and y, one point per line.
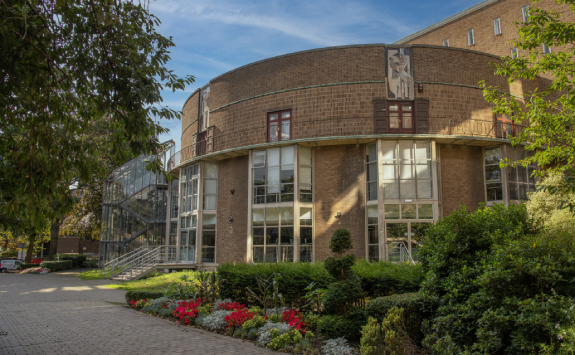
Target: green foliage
340	296
25	266
505	295
371	338
411	303
295	278
290	341
314	297
340	268
77	260
545	207
254	323
348	325
267	293
142	295
209	285
183	289
340	241
91	263
9	254
549	111
54	266
384	278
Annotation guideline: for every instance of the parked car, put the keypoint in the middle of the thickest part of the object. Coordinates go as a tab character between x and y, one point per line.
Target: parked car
9	265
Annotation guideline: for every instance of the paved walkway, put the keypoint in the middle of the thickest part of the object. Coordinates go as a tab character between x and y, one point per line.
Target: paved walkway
61	314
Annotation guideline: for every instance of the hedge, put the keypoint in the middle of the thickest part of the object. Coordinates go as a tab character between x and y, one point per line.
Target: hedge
384	278
91	263
295	277
28	266
142	295
77	260
348	325
57	265
412	304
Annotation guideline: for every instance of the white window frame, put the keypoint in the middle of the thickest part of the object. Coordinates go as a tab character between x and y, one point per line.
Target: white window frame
525	13
446	42
546	49
470	37
497	26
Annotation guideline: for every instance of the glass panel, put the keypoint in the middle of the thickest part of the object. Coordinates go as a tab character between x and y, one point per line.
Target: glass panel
424	189
273	157
407	188
173	228
492	173
305	175
371	152
513	192
258	236
258	217
305	236
372	235
286	132
271	254
188	221
390	189
492	156
259	158
390	171
211	170
194	221
286	114
209	221
408	212
305	217
258	254
494	192
393	107
417	232
407	120
372	172
210	186
273	177
208	255
423	169
305	254
273	132
388	150
287	216
286	254
406	107
183	222
406	150
522	173
396	241
523	192
372	191
511	174
287	155
373	251
192	237
393	120
406	170
209	202
372	212
391	212
287	236
272	216
272	195
530	175
425	211
304	156
422	150
209	239
273	117
287	174
259	176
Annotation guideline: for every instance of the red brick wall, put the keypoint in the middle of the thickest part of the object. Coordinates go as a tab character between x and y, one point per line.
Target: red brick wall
462	179
231	239
190	113
339	184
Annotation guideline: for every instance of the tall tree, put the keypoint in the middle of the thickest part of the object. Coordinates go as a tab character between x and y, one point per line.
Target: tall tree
65	65
548	113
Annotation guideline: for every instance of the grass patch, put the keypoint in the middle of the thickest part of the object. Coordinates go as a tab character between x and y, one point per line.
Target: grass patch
96	274
154	283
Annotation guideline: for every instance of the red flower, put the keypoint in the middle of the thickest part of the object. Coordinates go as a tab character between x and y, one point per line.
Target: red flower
295	319
230	306
239	317
187	310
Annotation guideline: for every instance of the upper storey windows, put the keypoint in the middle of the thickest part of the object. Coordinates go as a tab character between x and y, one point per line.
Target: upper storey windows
401	117
273	175
446	42
470	37
279	126
497	26
525	13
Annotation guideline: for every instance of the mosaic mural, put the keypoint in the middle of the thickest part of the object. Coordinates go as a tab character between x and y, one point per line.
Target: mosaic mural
399	74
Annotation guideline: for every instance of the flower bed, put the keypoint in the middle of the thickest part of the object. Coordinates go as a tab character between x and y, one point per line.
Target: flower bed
35	270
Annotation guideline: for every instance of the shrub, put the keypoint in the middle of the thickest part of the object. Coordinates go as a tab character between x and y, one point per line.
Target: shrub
295	277
348	325
91	263
9	254
269	330
496	285
216	320
77	260
142	295
411	303
340	241
54	266
254	323
28	266
383	278
371	338
337	346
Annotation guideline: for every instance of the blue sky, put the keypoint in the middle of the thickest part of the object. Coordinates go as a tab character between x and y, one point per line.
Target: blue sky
213	37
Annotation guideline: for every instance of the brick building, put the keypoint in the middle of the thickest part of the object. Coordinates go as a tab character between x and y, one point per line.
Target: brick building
381	140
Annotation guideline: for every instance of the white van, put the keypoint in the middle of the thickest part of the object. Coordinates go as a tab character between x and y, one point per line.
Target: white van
9	265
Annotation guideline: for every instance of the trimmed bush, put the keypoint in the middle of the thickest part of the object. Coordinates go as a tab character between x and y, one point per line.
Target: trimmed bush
54	266
77	260
384	278
28	266
142	295
295	277
348	325
412	304
91	263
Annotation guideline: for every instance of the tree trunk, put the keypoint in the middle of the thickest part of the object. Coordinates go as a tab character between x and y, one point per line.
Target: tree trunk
54	232
30	250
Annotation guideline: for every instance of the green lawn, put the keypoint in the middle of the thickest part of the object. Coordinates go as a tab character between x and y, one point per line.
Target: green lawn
155	283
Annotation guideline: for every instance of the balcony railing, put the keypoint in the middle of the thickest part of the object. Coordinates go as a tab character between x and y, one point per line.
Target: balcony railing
338	127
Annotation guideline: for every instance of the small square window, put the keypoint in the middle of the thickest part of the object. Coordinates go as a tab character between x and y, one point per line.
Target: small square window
279	126
546	49
514	53
470	38
525	12
446	42
497	26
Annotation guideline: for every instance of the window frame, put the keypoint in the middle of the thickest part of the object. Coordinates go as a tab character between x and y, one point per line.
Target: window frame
401	112
279	228
546	49
497	26
446	42
501	173
280	122
514	53
525	13
504	120
470	37
281	185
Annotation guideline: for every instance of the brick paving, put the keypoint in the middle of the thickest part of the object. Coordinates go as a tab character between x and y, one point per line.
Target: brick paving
61	314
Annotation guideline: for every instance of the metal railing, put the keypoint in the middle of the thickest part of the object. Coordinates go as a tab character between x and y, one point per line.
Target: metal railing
339	127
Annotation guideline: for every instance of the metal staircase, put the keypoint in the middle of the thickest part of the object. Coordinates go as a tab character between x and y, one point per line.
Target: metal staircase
136	264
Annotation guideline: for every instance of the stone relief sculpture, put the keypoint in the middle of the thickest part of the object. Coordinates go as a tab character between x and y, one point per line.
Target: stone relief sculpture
204	107
399	74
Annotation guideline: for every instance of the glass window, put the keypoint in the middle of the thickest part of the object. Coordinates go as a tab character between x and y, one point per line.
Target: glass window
497	26
493	181
521	179
546	49
514	52
210	185
371	164
305	234
273	175
401	117
407	170
279	126
305	175
470	38
174	199
525	13
273	234
372	233
209	238
446	42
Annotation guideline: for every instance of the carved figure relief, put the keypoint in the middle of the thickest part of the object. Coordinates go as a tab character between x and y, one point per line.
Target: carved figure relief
399	74
204	118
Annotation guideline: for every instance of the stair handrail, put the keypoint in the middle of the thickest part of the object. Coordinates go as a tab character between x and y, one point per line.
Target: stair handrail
137	261
121	257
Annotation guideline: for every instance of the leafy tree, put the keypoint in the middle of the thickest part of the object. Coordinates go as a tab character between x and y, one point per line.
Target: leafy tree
549	112
65	66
